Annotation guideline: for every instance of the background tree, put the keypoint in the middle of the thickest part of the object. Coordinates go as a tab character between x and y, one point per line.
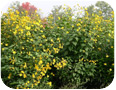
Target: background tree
58	11
101	7
105	8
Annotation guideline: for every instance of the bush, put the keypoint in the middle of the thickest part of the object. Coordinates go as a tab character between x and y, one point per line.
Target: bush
72	52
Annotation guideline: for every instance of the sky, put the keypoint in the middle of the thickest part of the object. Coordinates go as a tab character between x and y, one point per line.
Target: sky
47	5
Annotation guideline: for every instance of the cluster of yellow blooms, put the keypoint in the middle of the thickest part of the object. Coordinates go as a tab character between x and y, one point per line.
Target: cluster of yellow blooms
26	38
23	28
91	61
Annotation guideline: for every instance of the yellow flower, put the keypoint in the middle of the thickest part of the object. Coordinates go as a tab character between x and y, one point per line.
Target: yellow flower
43	36
36	67
54	61
35	73
52	74
2	49
17	12
33	76
77	30
64	64
58	18
107	56
109	34
24	75
111	46
25	65
49	83
59	64
6	44
38	82
110	69
28	33
22	47
40	57
14	52
62	27
47	76
27	28
32	85
31	39
97	35
20	74
9	76
56	50
40	62
78	24
43	74
40	44
85	8
99	49
72	26
22	71
105	64
60	46
52	40
41	26
41	31
37	23
29	53
17	87
58	39
15	32
67	32
17	26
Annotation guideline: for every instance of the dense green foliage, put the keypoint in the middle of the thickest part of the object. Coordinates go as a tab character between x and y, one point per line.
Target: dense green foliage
74	51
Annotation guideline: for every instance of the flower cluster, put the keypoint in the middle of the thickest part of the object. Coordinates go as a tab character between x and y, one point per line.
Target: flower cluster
28	50
36	51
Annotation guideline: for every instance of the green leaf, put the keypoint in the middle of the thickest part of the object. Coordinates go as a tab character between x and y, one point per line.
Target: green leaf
70	48
70	39
74	74
81	50
83	45
77	39
67	43
66	52
74	43
86	48
75	69
86	53
90	44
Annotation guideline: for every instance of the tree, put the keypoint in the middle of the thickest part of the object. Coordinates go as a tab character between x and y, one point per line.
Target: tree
30	8
101	7
60	11
90	9
105	8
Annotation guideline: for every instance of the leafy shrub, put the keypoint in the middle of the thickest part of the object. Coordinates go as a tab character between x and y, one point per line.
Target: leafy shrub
72	52
27	51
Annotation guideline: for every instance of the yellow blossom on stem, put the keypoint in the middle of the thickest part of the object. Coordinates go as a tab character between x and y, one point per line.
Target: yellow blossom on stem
24	75
49	83
6	44
9	76
107	56
105	64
